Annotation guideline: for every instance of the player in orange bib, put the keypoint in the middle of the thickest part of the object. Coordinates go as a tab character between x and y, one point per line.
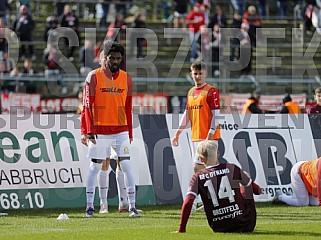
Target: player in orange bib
106	121
306	185
202	110
290	107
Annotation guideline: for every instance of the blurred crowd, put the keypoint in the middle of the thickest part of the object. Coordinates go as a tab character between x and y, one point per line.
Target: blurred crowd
202	19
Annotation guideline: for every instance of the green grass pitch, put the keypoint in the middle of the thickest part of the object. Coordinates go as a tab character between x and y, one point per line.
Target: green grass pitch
157	222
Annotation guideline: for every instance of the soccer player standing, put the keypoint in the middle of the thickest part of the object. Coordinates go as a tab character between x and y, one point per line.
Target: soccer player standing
226	191
107	121
202	110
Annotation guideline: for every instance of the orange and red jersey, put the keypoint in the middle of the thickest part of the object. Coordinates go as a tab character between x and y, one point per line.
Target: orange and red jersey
107	103
293	107
200	103
315	109
311	175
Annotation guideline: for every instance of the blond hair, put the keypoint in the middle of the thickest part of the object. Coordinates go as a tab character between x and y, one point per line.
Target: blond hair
207	150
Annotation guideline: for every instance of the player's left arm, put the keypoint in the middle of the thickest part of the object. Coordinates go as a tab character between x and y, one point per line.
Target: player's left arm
213	100
128	106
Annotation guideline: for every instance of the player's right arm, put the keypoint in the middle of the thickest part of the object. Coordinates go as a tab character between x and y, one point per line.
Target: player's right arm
182	125
188	203
87	122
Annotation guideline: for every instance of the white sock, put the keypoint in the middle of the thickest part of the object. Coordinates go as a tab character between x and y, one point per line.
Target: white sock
91	183
126	166
121	187
103	185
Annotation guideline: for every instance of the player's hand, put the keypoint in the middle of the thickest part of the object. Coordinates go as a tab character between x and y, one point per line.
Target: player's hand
84	139
175	141
91	137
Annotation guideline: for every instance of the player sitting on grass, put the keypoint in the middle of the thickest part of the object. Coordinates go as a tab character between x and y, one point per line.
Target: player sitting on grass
226	191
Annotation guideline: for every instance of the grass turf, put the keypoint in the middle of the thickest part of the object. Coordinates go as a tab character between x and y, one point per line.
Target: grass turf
157	222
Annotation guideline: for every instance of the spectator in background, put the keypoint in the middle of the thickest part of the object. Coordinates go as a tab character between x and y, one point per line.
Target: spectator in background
195	19
282	6
3	40
252	104
245	43
18	84
4	8
27	68
51	24
28	71
239	6
87	58
105	10
166	5
317	97
205	8
26	3
254	21
6	66
216	44
205	42
117	29
98	47
69	20
235	45
180	12
139	22
307	15
60	5
15	72
218	18
51	60
121	7
289	106
262	7
24	26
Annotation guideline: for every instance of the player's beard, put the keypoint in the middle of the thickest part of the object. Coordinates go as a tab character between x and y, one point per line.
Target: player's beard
113	68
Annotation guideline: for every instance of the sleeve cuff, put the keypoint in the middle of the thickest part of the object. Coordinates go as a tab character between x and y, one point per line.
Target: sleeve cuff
212	130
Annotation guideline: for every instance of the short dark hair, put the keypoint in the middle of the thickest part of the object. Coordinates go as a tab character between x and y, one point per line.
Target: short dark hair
317	90
198	65
287	98
110	46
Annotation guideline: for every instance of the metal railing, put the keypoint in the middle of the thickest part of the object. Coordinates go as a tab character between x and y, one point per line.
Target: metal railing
72	84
